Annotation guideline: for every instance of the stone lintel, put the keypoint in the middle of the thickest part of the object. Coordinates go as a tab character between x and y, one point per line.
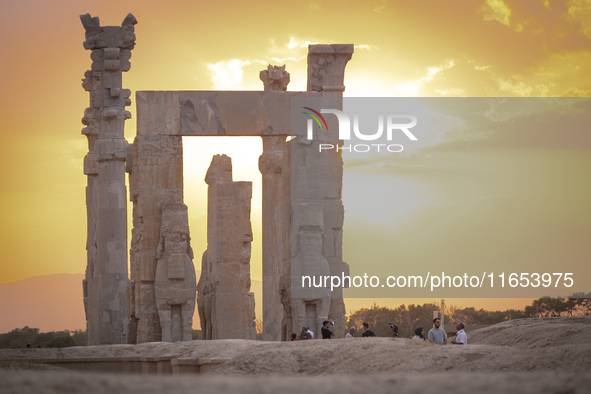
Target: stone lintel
216	113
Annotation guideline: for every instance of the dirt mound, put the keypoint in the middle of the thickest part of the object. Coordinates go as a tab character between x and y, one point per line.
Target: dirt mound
362	356
521	356
458	383
358	356
536	333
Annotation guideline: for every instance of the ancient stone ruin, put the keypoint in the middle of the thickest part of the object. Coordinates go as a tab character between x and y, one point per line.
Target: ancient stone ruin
302	208
174	281
226	305
106	282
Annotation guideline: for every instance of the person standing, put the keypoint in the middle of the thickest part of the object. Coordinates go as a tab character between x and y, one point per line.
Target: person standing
366	331
351	332
420	334
326	332
310	332
461	337
437	335
305	334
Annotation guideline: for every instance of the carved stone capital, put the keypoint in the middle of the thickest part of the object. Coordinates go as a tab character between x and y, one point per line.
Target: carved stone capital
275	78
98	36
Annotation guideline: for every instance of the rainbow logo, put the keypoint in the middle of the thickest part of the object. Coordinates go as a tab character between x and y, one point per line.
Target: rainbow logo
317	117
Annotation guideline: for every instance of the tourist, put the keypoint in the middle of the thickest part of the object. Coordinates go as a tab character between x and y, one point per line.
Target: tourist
327	333
310	333
437	335
461	337
420	334
351	332
366	331
394	328
304	334
294	337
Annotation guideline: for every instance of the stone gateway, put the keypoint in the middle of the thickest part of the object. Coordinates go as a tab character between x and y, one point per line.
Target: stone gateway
302	206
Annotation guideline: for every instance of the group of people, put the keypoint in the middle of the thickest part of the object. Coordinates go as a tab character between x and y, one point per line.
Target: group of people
436	335
366	332
327	332
306	333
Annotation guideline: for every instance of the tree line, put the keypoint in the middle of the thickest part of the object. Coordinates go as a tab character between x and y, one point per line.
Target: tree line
32	337
407	318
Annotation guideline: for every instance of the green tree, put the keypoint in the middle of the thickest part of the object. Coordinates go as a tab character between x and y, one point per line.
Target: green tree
19	337
80	338
554	307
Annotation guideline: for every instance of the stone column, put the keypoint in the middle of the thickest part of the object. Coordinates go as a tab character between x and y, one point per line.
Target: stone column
326	72
274	166
106	276
226	305
91	83
317	209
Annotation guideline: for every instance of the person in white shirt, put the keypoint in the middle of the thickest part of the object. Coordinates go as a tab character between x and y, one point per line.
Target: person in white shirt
461	337
351	332
310	332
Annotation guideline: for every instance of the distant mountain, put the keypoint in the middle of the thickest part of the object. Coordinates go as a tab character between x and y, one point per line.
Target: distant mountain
54	303
50	303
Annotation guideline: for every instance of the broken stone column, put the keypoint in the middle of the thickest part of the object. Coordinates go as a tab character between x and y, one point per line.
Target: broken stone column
274	167
317	208
105	284
226	305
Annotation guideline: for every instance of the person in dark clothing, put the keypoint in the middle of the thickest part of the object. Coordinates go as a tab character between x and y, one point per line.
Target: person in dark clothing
367	332
419	333
326	332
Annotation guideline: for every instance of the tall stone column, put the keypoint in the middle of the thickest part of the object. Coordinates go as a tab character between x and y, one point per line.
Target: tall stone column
326	73
105	285
317	208
91	83
274	167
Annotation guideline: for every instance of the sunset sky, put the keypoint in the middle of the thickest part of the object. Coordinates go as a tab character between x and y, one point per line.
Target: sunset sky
467	48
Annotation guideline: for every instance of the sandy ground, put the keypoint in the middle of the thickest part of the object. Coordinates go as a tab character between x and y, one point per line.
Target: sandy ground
525	356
